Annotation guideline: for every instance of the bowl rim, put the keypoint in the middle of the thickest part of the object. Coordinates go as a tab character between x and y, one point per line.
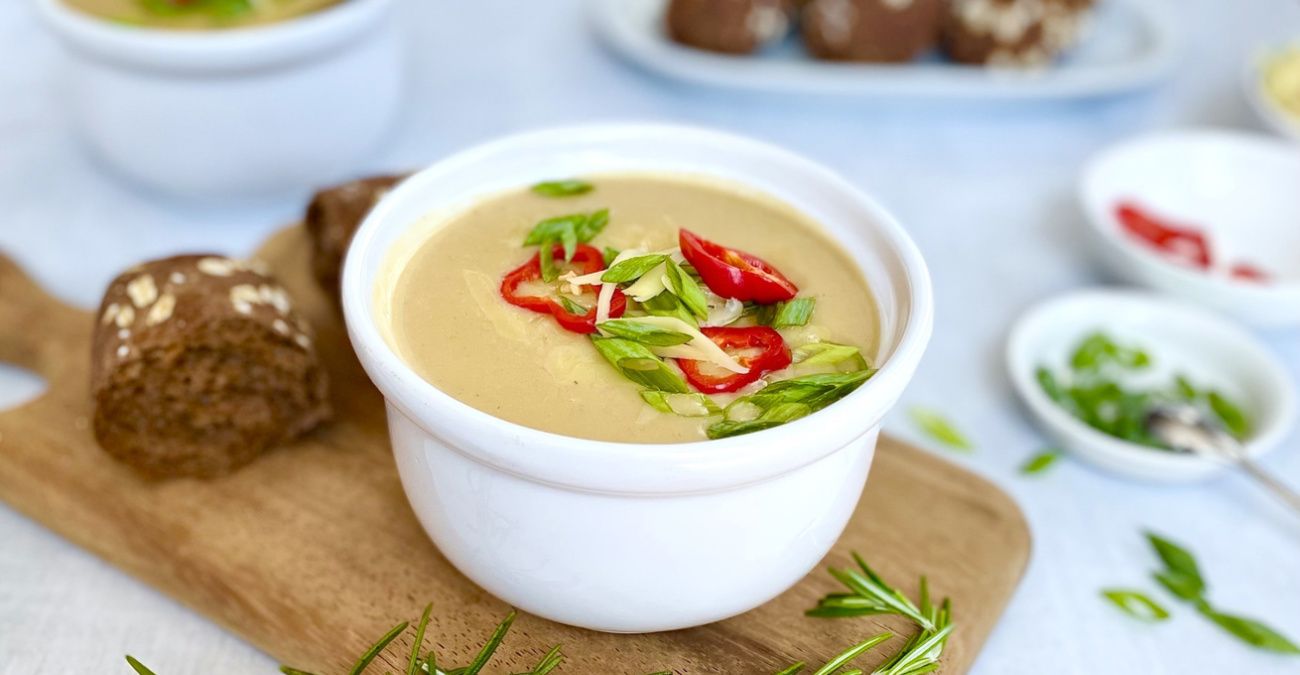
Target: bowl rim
685	467
236	48
1141	461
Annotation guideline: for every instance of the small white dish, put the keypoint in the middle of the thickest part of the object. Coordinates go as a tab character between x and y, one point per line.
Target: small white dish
1265	106
1237	188
233	114
629	537
1180	338
1130	44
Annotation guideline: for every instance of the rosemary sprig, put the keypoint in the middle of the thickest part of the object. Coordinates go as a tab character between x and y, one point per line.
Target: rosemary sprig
869	595
840	660
138	667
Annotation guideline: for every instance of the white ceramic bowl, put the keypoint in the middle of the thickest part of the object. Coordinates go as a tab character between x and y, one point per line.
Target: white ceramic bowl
240	113
1239	188
1266	108
621	536
1180	338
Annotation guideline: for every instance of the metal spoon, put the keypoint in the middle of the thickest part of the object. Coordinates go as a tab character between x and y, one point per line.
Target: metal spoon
1185	428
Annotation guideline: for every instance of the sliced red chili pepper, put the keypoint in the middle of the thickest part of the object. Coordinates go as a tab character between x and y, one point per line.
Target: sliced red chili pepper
586	260
735	274
740	343
1184	243
1248	272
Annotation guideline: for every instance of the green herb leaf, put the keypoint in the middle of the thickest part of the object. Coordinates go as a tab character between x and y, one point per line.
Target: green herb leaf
637	363
570	187
549	662
852	653
137	666
413	665
1182	576
940	429
632	268
667	304
792	669
1250	631
763	315
793	312
552	228
1040	462
1098	351
1230	415
687	290
1136	604
364	661
686	405
644	333
490	647
610	253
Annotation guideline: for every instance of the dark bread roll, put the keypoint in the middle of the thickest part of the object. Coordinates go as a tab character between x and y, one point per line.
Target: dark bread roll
1012	33
728	26
198	365
333	216
882	31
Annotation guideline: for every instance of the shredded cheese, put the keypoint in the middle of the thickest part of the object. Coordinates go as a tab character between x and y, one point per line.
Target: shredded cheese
650	284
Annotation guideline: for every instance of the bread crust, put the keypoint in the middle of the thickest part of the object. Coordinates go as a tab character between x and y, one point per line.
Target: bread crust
333	216
881	31
199	364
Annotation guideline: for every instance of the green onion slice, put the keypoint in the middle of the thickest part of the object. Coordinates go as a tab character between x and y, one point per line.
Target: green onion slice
786	401
686	405
792	313
687	289
828	353
637	363
632	268
569	187
1136	604
643	332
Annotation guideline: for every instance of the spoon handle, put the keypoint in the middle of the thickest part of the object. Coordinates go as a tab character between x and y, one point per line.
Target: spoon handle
1277	487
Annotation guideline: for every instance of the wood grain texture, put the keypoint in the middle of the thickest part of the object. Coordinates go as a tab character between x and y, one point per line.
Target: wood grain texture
311	552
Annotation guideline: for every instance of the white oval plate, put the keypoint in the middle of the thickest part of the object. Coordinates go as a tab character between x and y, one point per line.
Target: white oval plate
1180	338
1239	188
1131	44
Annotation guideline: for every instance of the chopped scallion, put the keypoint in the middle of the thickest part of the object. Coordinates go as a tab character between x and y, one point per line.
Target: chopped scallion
632	268
785	401
828	353
643	333
686	405
637	363
793	313
570	187
685	287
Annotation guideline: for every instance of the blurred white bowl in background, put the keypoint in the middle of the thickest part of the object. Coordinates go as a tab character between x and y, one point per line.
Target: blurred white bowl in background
238	113
1265	106
1242	190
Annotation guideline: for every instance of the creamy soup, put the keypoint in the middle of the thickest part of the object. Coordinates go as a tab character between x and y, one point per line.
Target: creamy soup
688	297
199	14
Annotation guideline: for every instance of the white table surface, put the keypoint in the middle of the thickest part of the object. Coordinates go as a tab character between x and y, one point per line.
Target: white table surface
986	192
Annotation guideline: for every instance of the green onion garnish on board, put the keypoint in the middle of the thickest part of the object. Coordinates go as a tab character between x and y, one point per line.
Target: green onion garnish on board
570	187
1135	604
637	363
643	333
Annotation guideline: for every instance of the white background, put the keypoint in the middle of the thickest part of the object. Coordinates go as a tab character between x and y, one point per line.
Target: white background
987	193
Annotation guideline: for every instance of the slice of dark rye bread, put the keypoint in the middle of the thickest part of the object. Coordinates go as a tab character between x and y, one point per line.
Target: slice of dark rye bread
199	364
333	216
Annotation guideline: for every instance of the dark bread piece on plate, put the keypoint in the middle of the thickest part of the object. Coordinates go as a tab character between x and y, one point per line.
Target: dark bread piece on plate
333	216
199	364
1012	33
728	26
881	31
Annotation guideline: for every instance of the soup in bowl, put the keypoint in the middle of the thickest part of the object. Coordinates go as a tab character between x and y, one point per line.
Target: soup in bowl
634	352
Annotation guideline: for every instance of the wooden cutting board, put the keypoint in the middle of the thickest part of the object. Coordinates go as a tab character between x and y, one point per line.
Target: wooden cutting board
311	552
